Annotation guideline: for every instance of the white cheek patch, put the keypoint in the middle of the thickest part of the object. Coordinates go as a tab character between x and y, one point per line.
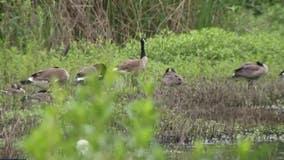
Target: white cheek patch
78	79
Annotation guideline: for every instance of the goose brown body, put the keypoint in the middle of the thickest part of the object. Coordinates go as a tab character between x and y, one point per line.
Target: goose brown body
42	78
13	90
251	71
135	65
170	78
84	72
40	97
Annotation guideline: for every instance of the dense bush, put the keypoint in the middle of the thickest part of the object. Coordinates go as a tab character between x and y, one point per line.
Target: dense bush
269	20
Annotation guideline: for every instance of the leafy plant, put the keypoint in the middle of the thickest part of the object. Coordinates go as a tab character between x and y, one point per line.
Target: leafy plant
88	116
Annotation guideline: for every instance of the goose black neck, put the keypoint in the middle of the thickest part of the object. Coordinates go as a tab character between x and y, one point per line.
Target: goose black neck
259	63
143	53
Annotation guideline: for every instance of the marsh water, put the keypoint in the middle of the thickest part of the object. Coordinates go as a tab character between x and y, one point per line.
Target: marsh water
258	151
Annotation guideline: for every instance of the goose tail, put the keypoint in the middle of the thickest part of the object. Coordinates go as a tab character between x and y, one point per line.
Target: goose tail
3	91
24	82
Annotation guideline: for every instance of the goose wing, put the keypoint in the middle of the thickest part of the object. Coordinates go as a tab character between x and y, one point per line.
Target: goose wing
13	91
47	74
172	79
42	75
129	65
85	70
249	70
41	96
38	74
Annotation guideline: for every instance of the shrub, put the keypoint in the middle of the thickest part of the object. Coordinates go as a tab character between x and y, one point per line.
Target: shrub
88	115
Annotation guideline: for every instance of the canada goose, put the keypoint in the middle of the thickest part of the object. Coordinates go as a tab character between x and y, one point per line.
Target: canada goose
42	78
134	65
170	78
42	96
13	90
251	71
83	72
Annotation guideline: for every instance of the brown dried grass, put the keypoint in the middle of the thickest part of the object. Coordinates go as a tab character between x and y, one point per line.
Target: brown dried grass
206	108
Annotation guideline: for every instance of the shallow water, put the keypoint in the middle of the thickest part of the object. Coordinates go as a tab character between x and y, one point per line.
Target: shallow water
264	150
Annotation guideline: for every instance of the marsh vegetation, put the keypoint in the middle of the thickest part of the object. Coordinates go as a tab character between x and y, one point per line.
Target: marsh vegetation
209	115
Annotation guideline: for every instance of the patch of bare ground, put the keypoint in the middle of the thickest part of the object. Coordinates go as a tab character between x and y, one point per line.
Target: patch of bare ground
216	108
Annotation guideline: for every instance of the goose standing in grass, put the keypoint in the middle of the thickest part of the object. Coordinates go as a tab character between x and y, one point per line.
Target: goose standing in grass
251	71
14	89
170	78
134	65
43	78
84	72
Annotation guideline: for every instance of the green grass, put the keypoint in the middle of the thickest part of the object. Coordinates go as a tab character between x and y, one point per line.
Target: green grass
209	104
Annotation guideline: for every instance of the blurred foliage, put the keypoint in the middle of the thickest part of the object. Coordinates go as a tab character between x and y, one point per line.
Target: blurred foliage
89	115
242	20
